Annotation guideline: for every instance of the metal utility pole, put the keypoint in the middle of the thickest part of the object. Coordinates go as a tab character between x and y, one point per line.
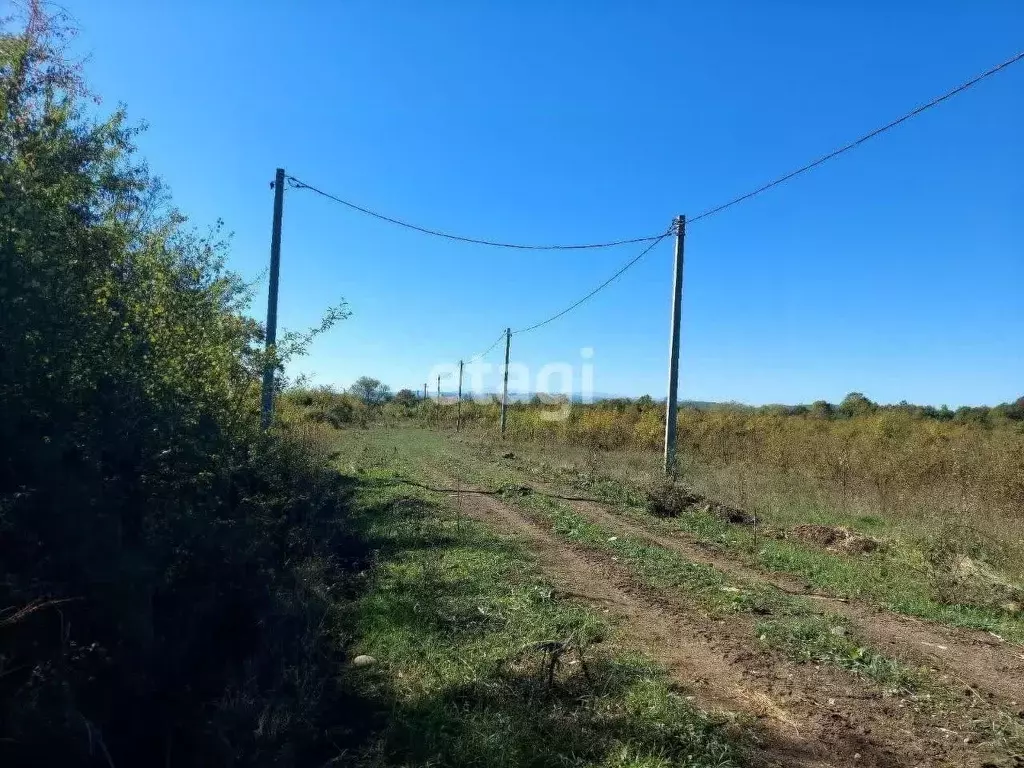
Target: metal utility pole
672	405
267	408
504	386
458	417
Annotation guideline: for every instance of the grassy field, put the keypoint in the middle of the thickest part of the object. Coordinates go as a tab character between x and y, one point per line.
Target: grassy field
793	627
946	575
450	611
479	601
955	557
949	485
913	608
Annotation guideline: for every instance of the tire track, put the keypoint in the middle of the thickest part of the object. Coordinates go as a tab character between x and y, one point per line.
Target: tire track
972	659
801	715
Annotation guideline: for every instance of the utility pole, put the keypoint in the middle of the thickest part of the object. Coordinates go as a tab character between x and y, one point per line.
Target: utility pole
458	418
672	404
424	390
267	408
439	389
504	386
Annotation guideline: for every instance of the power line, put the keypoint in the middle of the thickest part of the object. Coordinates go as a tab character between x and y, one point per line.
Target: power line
599	288
782	179
483	354
655	239
862	139
460	238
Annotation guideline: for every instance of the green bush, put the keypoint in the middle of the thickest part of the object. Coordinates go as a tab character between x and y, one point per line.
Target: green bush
163	561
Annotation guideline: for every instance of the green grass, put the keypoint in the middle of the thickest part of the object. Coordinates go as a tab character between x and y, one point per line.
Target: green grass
795	628
788	624
899	577
447	611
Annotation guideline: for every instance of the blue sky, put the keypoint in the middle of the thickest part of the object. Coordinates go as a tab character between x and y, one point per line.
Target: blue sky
896	270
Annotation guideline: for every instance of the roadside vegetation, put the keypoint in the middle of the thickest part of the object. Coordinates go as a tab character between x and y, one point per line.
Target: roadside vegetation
165	566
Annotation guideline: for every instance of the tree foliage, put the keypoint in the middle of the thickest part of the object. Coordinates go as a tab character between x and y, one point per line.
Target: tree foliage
370	390
148	529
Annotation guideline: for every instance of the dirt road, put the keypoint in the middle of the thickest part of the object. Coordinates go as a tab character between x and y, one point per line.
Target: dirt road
803	715
971	659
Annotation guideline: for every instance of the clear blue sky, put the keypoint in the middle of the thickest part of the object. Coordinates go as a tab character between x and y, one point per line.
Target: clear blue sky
896	270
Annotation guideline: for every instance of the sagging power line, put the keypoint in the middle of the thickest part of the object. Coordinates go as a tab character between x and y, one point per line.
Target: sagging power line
792	174
601	287
297	184
678	228
484	354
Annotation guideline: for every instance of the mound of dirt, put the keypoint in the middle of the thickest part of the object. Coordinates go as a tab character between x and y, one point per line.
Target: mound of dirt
975	582
835	538
671	499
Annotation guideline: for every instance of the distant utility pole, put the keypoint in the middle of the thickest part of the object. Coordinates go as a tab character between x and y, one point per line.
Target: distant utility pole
424	390
504	386
439	389
458	418
267	409
672	405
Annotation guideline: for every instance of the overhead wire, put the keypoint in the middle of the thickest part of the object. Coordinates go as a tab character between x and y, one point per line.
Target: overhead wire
484	354
599	288
792	174
298	184
857	142
654	240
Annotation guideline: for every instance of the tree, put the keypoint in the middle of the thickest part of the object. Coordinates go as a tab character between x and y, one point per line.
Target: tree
371	391
1015	410
822	409
856	404
406	397
137	490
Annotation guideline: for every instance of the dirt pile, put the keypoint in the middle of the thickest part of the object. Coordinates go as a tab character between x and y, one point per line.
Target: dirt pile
670	498
835	538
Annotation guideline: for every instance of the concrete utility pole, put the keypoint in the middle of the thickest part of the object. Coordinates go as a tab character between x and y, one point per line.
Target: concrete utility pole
672	405
458	418
267	408
504	386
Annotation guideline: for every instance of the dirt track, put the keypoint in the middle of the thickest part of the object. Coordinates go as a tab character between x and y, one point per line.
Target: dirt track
803	715
972	659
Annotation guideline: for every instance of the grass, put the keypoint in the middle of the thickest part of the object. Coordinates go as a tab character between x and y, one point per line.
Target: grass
786	623
910	575
447	611
794	628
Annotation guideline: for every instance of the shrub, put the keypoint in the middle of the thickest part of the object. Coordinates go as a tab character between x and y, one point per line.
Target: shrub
163	560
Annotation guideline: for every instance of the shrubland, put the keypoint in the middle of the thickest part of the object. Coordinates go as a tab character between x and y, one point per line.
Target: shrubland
890	460
165	565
